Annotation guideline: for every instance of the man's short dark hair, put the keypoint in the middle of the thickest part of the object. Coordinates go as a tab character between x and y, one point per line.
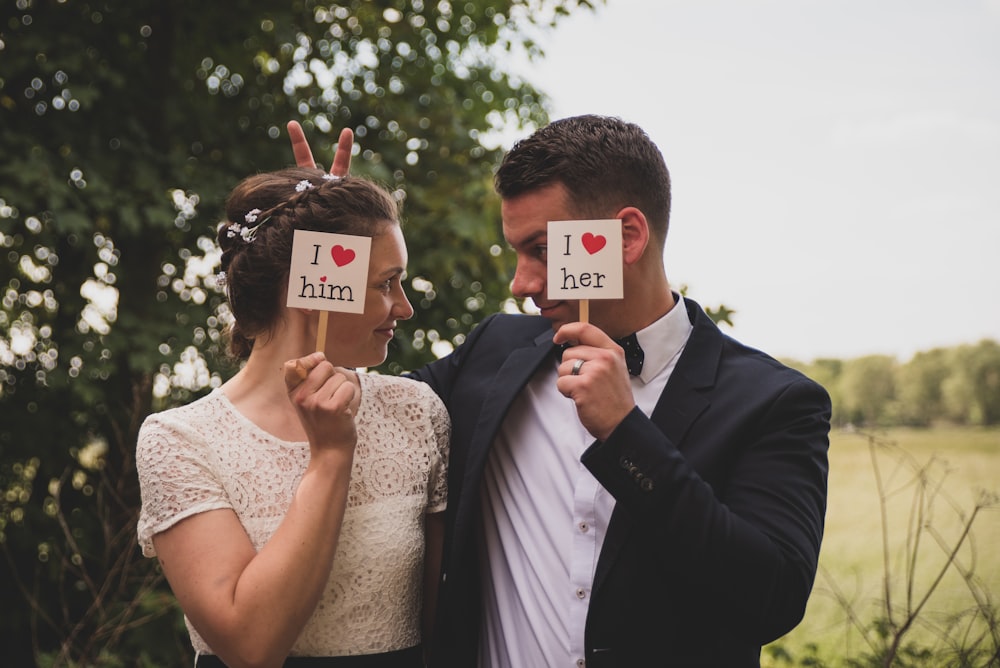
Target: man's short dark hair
604	163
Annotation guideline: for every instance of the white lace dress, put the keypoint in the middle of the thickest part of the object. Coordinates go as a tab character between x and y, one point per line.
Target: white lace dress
206	455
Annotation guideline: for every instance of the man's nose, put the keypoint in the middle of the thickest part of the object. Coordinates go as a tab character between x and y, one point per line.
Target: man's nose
529	281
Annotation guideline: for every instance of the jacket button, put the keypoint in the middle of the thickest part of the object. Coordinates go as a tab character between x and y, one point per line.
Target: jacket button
646	484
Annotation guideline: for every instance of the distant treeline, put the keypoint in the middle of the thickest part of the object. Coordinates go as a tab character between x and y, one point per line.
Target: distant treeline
959	385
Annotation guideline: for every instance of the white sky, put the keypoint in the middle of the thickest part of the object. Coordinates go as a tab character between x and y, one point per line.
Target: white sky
835	164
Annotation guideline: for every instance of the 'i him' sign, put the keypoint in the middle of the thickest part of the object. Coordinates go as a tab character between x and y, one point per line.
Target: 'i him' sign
328	272
585	259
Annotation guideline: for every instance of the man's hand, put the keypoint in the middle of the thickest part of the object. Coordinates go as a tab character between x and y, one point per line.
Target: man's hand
593	374
303	155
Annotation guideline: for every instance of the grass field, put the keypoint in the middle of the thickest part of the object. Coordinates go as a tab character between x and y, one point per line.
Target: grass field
955	466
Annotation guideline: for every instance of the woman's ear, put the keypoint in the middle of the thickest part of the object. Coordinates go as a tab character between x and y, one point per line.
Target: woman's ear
635	234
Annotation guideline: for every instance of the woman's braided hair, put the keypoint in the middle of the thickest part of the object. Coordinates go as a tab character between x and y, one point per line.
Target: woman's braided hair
268	208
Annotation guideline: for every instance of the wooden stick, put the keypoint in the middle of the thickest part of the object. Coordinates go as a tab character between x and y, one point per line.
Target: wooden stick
321	333
296	373
584	310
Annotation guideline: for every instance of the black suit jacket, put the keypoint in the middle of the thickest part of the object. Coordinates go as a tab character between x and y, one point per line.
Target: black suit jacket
720	498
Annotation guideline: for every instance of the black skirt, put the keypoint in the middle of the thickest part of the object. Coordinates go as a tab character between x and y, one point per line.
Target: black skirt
404	658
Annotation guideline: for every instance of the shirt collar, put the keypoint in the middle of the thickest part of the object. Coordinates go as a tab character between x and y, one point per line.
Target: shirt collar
663	340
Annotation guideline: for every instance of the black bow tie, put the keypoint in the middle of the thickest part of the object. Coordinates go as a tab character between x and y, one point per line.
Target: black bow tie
633	353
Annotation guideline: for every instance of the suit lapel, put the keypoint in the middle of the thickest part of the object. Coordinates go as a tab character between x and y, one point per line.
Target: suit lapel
513	375
684	398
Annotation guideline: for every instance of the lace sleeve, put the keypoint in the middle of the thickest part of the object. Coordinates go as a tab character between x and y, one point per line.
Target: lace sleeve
437	484
175	477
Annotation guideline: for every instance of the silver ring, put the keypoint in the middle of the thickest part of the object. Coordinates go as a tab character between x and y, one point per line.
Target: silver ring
577	365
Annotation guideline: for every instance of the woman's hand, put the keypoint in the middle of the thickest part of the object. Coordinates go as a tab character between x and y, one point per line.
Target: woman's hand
326	399
303	155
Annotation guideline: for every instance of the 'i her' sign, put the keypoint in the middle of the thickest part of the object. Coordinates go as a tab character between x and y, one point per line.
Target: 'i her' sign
328	272
585	259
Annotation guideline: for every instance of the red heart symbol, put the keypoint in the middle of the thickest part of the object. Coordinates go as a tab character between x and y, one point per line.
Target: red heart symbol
341	255
322	279
593	242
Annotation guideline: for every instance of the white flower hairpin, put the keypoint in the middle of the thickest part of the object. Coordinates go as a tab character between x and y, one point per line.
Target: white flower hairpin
246	232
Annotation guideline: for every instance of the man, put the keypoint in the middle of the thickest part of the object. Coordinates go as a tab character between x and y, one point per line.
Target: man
668	518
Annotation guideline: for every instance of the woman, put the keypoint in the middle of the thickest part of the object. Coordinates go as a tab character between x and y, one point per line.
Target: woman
290	508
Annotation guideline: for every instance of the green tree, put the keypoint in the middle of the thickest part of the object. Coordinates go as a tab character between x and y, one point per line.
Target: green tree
919	387
867	389
971	392
123	127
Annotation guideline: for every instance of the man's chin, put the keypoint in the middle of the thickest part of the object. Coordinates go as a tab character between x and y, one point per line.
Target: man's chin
558	315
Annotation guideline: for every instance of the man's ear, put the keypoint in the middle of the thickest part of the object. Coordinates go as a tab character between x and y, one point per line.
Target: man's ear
635	234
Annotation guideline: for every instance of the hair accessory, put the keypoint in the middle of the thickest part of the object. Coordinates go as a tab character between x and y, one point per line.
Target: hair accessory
331	177
246	232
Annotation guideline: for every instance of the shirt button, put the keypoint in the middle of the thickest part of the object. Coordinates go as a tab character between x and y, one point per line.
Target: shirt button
581	593
580	663
584	527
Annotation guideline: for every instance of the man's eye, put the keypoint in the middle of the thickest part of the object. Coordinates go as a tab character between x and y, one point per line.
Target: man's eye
541	251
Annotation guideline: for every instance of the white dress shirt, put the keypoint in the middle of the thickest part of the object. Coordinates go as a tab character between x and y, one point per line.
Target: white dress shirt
545	516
